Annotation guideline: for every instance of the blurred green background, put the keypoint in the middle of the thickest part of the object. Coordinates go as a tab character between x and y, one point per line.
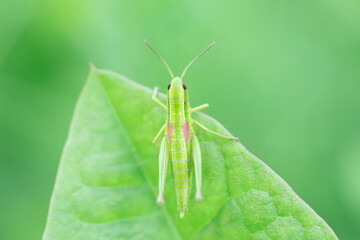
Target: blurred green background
284	77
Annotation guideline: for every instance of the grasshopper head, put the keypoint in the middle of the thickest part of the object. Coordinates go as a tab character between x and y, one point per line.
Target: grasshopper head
176	88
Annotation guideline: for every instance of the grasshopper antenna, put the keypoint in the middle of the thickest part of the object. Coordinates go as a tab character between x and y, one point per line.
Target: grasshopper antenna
183	73
167	66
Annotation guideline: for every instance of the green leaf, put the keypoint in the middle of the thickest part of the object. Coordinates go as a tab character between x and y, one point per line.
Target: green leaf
107	180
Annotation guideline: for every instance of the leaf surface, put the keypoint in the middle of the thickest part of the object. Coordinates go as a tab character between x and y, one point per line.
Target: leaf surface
106	185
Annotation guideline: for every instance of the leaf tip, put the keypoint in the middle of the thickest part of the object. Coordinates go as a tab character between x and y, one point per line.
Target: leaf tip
91	66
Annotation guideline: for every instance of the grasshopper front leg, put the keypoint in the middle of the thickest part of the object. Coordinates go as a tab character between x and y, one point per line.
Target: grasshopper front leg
163	161
157	101
198	108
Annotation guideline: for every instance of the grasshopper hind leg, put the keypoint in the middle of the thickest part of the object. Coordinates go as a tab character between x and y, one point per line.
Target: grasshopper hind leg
163	162
196	151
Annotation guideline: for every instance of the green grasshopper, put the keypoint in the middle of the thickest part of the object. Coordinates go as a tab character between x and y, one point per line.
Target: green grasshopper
180	143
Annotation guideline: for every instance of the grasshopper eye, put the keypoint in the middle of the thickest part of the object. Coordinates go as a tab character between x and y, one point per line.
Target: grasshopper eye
184	86
169	86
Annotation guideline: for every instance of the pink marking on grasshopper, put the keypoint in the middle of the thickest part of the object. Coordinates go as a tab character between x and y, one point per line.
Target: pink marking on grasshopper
186	131
170	132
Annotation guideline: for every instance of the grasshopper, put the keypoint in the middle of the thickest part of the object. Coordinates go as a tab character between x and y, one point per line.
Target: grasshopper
180	143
